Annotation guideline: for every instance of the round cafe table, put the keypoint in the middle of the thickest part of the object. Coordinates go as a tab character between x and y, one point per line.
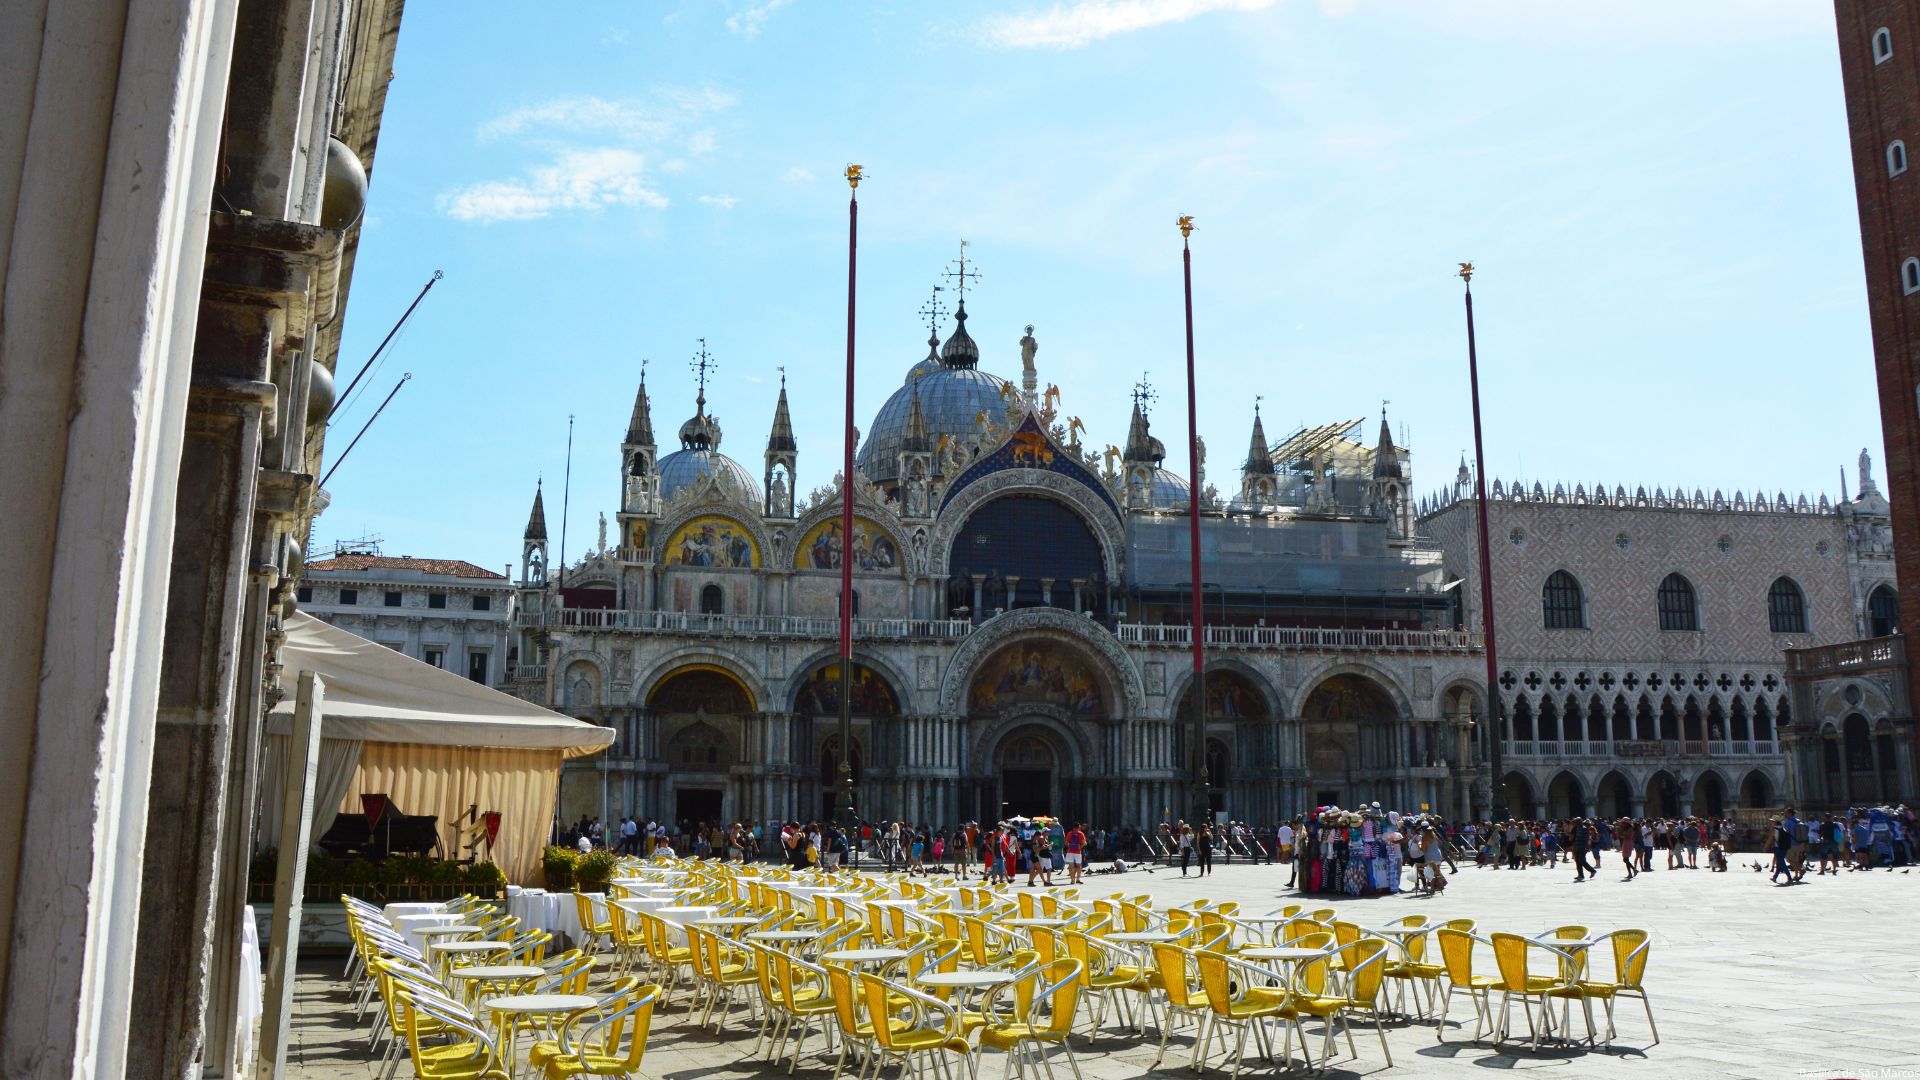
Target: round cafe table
445	951
863	956
967	983
513	1008
499	978
1285	953
1037	921
727	924
784	935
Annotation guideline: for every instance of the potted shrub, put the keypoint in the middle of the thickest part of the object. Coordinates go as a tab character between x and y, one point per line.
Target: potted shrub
593	871
557	863
484	879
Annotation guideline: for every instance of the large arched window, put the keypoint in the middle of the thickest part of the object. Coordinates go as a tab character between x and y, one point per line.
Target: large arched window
1561	602
1883	612
1786	607
1678	609
713	601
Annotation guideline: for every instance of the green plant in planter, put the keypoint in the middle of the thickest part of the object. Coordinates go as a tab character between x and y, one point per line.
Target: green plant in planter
558	863
484	877
593	871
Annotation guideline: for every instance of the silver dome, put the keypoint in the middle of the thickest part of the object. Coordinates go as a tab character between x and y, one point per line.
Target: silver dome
951	401
684	468
1170	491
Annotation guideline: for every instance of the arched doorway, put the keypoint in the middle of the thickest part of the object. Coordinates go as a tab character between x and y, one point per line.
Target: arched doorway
1710	795
1233	699
1028	764
1756	793
1663	795
1025	551
698	709
1564	797
1348	726
1614	797
1219	774
1515	794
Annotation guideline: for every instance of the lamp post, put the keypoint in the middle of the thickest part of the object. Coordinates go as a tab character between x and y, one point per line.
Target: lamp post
848	817
1197	741
1495	733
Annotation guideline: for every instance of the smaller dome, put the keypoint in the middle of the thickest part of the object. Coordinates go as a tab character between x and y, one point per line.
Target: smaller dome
928	366
1169	491
686	468
701	432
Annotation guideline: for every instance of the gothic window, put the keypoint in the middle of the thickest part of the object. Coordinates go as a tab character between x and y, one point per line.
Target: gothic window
1910	276
1882	45
1678	611
712	600
1896	158
1561	601
699	745
1883	612
1786	607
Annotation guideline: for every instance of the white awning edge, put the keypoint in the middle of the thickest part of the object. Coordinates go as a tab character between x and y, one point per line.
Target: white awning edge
377	694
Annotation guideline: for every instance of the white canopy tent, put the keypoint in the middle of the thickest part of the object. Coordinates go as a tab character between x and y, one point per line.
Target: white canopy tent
433	741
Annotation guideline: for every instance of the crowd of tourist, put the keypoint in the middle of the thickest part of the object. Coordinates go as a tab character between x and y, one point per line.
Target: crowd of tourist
1358	851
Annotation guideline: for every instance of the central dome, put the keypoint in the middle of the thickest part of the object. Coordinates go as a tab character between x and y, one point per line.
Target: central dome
699	456
953	393
951	401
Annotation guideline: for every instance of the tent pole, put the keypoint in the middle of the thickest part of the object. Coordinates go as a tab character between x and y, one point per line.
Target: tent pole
289	882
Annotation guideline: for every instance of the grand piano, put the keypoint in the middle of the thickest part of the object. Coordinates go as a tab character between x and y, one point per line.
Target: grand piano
380	830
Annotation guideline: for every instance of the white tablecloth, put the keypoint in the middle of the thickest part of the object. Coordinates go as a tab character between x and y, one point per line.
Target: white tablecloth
252	990
538	909
677	918
394	911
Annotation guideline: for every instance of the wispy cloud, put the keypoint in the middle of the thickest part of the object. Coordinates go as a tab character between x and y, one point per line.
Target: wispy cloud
724	202
799	174
658	115
750	21
577	180
1076	25
597	153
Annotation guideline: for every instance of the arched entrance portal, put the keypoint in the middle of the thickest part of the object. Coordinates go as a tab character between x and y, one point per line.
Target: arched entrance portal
1710	795
699	709
1564	797
1349	729
1616	797
1028	764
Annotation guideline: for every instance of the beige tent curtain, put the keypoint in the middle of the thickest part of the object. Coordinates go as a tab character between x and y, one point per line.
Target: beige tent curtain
333	780
446	780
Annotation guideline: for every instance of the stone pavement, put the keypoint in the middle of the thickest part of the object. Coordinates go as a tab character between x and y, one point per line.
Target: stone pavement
1748	980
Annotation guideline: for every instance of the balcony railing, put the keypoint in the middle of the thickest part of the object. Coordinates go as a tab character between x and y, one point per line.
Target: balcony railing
1304	638
1640	748
529	673
1848	656
761	626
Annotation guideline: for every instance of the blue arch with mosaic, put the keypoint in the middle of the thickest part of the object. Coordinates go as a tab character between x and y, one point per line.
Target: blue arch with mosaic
1030	447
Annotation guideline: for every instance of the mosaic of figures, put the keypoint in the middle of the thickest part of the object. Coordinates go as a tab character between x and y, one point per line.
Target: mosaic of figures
871	695
1036	674
712	540
701	690
1348	698
820	549
1229	697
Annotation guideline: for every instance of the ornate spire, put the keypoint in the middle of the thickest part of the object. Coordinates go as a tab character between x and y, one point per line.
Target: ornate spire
1386	458
782	435
916	441
640	428
1259	452
1141	445
960	350
537	521
702	432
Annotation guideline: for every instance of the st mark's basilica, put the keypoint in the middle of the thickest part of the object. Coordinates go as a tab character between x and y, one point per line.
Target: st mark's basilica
1021	598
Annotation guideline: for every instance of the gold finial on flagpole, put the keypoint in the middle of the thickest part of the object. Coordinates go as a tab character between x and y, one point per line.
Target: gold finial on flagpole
1466	273
855	175
1186	225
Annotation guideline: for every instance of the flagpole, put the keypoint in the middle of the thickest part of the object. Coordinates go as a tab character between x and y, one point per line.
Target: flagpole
1496	736
847	814
1197	742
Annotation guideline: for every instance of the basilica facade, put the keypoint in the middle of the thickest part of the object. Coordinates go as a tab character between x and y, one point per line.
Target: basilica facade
1020	637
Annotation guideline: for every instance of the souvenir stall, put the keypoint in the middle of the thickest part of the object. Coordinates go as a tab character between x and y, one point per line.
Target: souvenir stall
1350	852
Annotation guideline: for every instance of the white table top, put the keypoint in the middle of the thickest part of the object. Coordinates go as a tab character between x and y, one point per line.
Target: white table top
426	920
644	903
894	902
864	956
728	920
784	935
1281	952
499	971
1037	920
1144	937
1401	931
965	980
454	928
470	946
1274	917
541	1003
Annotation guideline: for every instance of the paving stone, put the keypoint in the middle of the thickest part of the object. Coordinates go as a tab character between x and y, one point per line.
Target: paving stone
1748	979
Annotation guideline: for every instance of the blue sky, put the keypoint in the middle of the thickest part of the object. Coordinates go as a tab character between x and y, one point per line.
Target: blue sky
1658	198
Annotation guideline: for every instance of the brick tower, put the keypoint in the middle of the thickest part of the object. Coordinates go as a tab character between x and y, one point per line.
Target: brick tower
1880	68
